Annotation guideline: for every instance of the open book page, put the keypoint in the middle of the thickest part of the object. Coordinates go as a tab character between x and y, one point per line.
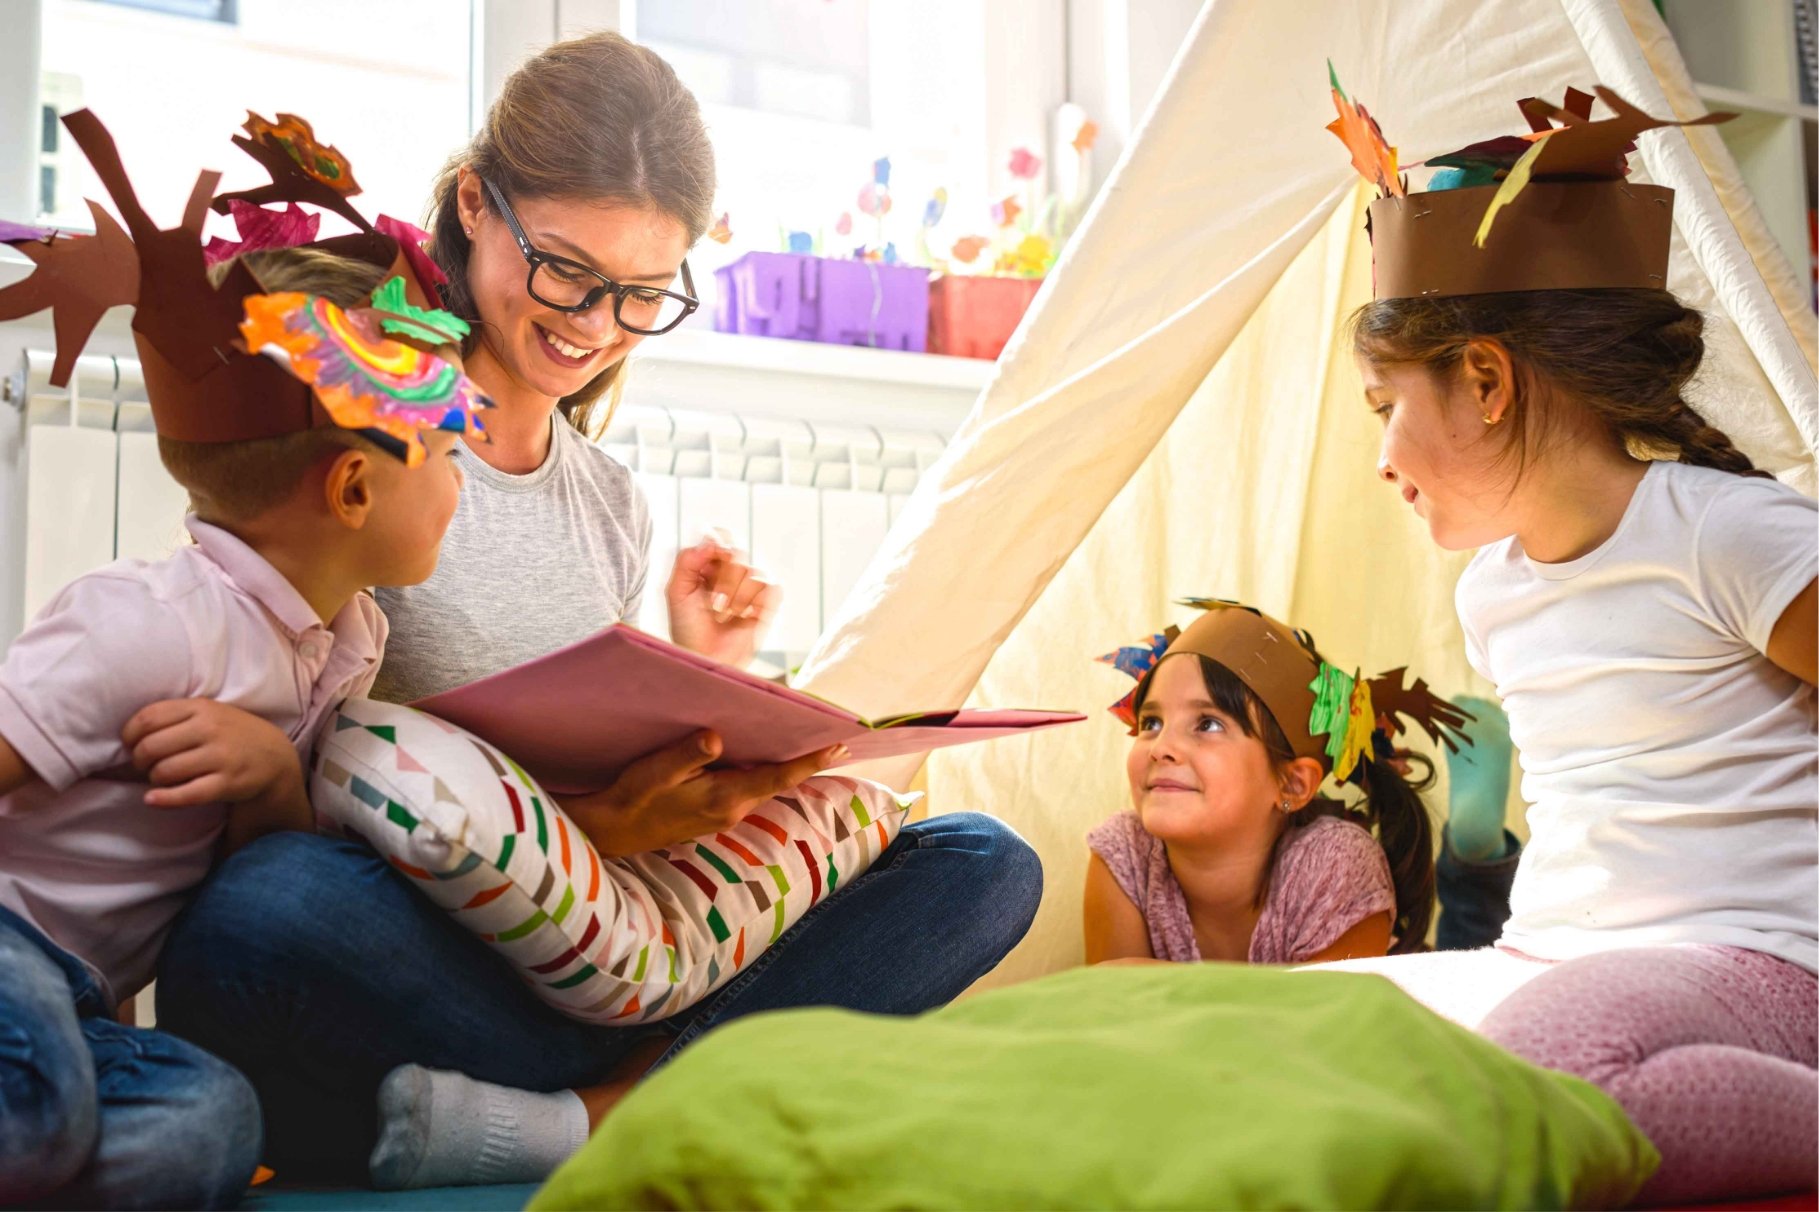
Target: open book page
577	717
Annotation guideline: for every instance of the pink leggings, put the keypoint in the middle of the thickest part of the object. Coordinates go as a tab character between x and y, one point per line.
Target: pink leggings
1711	1050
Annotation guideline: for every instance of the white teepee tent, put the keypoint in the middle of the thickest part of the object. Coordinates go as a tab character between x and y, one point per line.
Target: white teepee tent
1179	413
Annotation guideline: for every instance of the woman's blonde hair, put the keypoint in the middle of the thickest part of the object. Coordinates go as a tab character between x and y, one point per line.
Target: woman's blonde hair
597	118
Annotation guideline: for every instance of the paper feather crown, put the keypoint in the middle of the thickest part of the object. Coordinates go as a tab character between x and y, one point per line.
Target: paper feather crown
1547	209
1343	721
230	362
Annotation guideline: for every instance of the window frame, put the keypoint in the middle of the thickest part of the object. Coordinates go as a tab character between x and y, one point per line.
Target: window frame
1028	82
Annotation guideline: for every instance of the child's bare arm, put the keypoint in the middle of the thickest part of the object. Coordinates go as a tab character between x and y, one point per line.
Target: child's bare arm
14	773
198	751
1791	645
1114	927
1369	938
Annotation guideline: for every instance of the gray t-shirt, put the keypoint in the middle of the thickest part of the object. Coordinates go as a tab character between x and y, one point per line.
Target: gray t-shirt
531	563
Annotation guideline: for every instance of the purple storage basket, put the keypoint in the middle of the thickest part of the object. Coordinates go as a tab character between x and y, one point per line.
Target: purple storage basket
808	298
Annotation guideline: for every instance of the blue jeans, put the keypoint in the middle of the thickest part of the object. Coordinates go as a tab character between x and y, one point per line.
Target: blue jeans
94	1114
1474	897
316	969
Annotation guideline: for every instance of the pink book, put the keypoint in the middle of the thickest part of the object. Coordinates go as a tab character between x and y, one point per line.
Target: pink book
577	717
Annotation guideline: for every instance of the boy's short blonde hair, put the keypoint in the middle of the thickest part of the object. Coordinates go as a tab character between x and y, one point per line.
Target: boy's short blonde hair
238	481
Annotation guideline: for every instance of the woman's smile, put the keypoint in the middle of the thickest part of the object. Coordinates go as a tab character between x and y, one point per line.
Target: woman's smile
561	352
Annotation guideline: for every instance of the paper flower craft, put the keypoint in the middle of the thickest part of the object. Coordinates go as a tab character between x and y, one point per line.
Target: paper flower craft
1025	164
1031	258
365	381
722	230
1086	136
875	200
936	208
966	249
1005	212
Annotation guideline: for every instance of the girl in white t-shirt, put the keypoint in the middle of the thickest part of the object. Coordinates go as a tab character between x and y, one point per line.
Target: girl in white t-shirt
1644	601
1649	626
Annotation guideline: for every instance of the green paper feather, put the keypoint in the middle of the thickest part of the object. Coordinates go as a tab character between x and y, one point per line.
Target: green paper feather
432	325
1332	711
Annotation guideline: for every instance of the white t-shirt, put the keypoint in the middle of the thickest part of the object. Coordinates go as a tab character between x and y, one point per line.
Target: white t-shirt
1671	769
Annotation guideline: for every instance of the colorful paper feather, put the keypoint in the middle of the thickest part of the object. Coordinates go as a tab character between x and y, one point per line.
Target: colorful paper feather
1360	723
430	325
1372	156
1442	721
261	229
411	239
364	380
1506	193
1136	661
321	161
19	233
1331	715
78	278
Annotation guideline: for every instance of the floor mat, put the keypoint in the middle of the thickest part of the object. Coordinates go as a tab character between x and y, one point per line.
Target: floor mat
509	1198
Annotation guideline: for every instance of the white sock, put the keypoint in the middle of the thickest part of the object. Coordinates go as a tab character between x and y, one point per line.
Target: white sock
441	1129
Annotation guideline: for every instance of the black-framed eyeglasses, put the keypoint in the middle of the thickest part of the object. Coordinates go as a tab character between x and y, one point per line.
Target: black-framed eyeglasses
567	285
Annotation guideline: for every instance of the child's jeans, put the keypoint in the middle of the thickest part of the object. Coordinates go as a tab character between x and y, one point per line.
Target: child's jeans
1474	896
94	1114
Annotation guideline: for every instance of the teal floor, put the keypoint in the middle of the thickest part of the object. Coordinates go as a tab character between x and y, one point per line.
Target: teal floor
444	1199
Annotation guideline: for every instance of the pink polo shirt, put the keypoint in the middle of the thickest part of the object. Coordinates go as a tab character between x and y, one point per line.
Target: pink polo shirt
81	856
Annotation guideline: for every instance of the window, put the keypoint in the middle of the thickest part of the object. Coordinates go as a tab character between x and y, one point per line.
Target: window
802	96
204	10
174	89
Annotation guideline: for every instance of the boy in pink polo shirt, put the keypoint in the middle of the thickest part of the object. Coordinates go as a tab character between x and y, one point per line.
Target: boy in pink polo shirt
157	715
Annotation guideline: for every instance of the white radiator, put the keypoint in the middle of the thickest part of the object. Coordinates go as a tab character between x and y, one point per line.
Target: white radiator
810	501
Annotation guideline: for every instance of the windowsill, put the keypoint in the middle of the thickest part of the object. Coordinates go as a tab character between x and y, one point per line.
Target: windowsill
705	347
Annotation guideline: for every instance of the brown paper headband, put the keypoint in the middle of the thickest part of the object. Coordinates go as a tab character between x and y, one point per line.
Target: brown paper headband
1546	210
1340	721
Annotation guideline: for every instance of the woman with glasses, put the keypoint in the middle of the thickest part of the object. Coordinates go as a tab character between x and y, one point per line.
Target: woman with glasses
564	230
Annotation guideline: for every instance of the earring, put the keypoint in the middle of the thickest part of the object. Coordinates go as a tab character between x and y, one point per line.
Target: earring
1285	807
470	231
1490	420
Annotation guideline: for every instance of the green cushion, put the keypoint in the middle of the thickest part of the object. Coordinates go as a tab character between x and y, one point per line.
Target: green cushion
1175	1086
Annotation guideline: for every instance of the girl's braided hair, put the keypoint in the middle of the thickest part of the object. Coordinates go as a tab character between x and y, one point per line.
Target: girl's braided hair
1624	354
